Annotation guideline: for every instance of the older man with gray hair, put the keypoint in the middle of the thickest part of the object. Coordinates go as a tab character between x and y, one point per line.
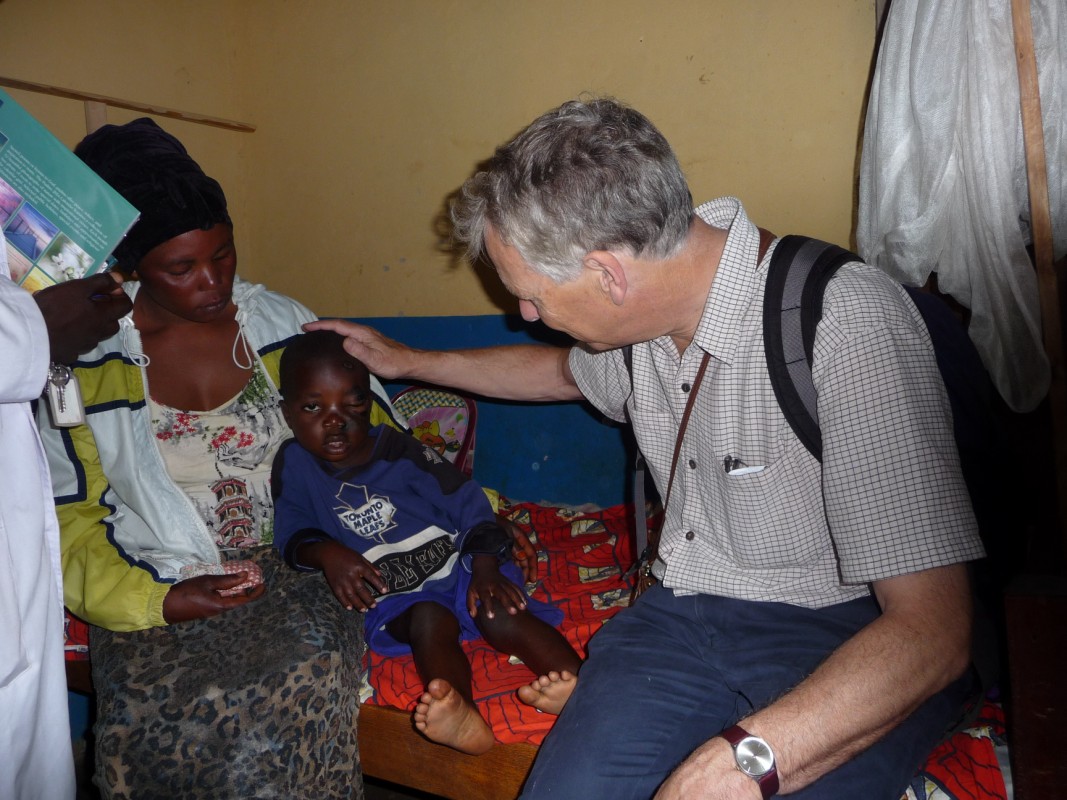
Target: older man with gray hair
809	632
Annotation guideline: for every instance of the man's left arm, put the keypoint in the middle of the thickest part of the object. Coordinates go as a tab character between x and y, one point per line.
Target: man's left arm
80	313
916	647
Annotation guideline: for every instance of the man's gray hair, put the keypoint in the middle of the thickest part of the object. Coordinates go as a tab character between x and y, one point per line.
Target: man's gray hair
589	175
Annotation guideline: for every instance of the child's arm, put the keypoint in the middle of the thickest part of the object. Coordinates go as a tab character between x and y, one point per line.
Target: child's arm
354	580
522	551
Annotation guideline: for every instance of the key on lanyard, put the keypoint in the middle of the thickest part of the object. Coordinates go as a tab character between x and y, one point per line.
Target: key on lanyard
64	397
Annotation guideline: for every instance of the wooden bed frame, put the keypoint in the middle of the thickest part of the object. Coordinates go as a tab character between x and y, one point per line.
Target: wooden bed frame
391	749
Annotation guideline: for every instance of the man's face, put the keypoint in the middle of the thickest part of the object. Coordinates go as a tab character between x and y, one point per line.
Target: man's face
575	307
328	409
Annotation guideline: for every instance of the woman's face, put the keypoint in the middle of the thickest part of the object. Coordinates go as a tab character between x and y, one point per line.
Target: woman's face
189	277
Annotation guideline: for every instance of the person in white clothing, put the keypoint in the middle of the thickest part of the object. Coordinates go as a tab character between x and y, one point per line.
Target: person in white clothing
55	325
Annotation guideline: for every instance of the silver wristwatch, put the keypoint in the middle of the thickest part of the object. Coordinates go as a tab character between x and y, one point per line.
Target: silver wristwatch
753	757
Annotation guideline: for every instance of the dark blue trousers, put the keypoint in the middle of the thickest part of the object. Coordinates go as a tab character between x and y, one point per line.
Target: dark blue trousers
671	672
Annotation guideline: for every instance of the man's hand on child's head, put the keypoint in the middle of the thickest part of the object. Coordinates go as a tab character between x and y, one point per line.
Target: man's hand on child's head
490	589
383	356
354	580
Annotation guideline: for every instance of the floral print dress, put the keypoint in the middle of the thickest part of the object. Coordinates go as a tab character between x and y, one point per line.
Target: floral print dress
222	460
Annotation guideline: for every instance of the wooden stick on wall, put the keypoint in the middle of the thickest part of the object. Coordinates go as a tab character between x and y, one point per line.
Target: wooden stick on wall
95	115
102	100
1041	227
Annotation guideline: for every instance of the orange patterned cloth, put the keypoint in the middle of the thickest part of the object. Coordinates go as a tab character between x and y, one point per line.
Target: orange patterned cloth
75	638
965	767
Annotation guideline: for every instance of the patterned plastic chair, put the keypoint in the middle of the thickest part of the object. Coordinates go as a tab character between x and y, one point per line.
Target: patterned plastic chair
441	420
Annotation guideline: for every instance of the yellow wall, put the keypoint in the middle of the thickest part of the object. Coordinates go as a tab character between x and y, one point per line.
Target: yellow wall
369	114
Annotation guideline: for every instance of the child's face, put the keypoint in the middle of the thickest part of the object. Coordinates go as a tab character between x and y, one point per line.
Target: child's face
328	410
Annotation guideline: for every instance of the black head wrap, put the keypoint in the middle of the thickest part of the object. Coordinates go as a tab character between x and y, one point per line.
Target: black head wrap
155	173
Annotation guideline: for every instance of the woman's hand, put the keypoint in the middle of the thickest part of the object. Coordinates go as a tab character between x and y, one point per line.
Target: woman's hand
354	580
490	588
523	551
199	598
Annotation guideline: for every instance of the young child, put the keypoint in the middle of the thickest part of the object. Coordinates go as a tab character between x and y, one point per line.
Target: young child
407	538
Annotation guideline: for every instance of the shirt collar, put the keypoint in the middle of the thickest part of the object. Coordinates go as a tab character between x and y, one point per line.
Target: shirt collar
737	279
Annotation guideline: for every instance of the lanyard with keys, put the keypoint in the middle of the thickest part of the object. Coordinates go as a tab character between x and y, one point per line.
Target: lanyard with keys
64	397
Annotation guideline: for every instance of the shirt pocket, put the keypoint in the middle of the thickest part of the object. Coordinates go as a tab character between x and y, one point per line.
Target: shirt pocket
775	518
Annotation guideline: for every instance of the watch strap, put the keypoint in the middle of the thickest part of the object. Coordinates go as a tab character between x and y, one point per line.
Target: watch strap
768	782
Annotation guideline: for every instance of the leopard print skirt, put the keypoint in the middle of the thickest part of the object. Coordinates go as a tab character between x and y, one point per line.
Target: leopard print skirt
260	701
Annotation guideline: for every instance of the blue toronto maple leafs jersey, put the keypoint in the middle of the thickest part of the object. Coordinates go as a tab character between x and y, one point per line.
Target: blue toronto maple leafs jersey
410	512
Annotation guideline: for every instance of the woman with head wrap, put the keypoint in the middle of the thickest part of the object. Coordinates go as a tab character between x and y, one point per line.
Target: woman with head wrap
207	683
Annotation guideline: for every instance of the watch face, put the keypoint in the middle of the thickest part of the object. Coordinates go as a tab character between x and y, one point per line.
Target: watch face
754	757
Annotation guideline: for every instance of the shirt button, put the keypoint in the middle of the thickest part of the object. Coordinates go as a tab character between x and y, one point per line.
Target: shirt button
692	464
686	387
690	536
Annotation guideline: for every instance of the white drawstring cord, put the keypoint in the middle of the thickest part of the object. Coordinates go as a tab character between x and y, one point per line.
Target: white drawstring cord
138	357
244	344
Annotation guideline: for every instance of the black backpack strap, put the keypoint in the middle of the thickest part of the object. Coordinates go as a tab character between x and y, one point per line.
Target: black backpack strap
642	548
798	273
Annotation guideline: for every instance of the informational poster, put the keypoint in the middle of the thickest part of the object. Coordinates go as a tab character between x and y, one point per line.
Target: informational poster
61	220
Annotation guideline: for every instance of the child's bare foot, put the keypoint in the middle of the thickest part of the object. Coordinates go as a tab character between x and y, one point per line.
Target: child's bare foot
443	716
549	693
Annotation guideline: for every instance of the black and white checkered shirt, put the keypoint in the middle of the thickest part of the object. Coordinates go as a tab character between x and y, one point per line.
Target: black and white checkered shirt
889	498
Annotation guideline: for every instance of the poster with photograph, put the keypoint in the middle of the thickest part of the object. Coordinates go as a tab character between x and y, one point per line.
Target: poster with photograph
60	219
